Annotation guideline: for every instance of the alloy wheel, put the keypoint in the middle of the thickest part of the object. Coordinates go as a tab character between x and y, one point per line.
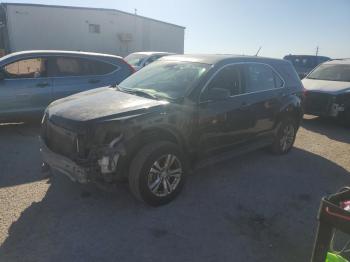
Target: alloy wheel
165	175
287	139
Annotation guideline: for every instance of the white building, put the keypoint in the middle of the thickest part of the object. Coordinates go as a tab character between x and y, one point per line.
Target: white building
33	27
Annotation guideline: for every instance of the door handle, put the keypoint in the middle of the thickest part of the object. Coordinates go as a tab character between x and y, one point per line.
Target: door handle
94	81
42	85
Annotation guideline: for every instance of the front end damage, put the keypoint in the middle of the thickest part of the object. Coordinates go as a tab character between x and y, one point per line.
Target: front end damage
109	158
71	154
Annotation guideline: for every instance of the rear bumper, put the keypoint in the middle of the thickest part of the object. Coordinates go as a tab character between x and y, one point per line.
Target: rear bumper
64	165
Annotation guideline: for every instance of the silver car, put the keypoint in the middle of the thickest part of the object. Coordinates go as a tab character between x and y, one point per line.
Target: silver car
31	80
328	90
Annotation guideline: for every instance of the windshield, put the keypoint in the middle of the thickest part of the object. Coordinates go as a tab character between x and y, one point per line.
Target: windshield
331	73
135	59
167	79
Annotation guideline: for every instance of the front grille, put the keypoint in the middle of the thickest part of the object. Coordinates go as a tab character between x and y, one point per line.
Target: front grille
318	103
60	141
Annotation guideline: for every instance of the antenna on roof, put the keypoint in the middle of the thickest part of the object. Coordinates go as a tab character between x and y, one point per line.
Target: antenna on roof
257	53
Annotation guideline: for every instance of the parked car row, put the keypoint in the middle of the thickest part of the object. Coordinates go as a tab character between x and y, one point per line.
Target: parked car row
154	125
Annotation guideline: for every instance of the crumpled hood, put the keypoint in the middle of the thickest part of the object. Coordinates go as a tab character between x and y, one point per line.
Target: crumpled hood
331	87
101	103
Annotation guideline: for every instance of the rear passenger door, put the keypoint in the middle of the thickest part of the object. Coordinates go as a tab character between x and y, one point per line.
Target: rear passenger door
73	75
264	90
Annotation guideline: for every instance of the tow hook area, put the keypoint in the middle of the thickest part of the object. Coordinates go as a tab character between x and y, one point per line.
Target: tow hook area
108	162
336	108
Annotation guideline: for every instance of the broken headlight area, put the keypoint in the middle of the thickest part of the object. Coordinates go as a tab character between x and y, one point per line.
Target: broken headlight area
109	156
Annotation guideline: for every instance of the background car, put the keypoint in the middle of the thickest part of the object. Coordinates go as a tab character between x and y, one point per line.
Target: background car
328	90
305	63
31	80
141	59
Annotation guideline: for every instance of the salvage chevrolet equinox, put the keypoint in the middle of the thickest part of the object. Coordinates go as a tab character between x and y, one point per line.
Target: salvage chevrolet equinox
180	110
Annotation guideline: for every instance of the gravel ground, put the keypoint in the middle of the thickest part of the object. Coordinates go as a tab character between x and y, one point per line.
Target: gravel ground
255	207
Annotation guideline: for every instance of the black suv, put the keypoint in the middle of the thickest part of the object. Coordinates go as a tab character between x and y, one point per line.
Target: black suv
177	111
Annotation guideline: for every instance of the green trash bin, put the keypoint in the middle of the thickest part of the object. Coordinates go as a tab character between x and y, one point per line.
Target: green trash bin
335	258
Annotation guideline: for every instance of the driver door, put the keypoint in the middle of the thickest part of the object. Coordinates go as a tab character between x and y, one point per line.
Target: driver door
226	121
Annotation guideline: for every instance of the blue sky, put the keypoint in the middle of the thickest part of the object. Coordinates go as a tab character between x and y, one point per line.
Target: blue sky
241	26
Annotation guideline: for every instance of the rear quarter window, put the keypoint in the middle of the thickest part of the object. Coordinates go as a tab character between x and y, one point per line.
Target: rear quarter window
288	73
102	68
74	66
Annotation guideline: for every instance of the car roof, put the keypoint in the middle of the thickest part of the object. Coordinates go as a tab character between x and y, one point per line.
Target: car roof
58	52
152	53
345	61
220	58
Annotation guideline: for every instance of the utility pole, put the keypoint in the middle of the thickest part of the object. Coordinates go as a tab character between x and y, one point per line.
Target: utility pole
135	10
317	49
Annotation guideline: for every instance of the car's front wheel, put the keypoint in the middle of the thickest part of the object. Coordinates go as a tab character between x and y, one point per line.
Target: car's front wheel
285	137
157	173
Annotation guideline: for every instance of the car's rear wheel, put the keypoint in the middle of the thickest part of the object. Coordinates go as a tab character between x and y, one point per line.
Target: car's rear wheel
285	137
157	173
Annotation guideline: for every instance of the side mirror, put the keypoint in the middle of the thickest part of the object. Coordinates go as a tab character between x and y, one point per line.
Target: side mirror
218	94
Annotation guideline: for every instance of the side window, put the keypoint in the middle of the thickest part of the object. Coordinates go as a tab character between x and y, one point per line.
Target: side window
26	68
72	66
261	78
229	79
100	68
68	66
278	81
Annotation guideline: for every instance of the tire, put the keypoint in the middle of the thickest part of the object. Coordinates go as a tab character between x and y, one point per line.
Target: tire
148	170
285	137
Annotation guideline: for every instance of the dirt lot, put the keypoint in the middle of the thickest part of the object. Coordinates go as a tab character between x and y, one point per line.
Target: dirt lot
255	207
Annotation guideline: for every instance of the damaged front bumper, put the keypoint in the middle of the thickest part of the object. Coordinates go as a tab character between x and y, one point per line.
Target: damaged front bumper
63	164
104	167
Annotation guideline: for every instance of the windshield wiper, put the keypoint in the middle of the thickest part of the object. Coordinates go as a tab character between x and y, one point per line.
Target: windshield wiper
138	92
